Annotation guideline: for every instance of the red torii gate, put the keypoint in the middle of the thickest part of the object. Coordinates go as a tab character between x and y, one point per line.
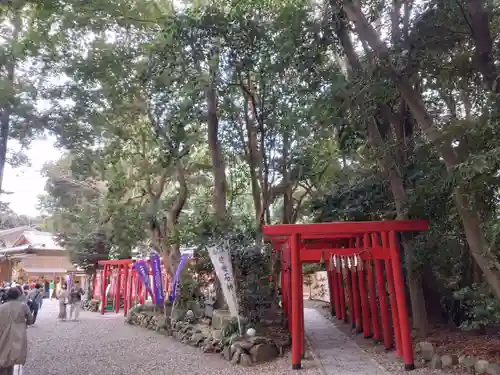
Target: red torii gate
126	279
356	252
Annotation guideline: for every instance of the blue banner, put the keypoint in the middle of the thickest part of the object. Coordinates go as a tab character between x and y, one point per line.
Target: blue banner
159	293
142	269
175	281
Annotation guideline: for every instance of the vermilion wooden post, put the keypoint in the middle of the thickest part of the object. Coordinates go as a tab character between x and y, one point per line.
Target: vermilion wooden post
130	287
399	284
392	296
118	288
290	303
336	291
282	283
340	281
125	290
373	302
357	302
140	291
301	315
382	296
331	286
138	288
104	287
365	304
371	291
297	295
287	296
351	298
94	282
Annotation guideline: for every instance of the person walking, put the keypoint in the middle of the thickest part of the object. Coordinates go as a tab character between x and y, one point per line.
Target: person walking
52	287
15	316
24	296
75	297
62	296
34	300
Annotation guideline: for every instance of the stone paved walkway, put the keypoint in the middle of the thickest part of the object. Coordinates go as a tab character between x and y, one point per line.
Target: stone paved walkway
337	354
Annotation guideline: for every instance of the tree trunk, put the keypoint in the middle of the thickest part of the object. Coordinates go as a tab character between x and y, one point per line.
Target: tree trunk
253	160
218	164
287	194
483	43
388	165
418	307
7	109
470	218
165	236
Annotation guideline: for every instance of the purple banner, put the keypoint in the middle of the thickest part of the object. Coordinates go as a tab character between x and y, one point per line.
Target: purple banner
159	294
175	281
69	281
142	269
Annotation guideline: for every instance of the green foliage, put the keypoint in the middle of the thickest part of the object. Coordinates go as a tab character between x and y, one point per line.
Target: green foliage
311	268
130	86
482	309
231	329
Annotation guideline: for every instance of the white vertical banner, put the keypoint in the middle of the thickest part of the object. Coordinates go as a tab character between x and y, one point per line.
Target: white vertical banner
221	259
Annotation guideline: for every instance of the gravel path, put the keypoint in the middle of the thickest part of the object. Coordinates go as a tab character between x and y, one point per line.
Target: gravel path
105	345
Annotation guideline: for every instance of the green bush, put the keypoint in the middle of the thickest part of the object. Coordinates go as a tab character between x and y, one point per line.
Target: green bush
481	308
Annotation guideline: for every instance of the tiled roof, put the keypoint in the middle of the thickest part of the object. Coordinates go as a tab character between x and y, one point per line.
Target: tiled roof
44	270
14	250
41	240
21	229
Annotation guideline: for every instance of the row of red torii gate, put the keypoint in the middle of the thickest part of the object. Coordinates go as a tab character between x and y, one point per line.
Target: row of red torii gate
365	279
119	281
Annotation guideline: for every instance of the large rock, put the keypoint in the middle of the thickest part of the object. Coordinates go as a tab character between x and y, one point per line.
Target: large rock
226	353
436	362
236	357
426	350
467	362
449	360
130	317
263	352
148	306
245	360
208	348
209	307
217	334
178	314
493	369
197	339
481	366
221	319
245	346
256	340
